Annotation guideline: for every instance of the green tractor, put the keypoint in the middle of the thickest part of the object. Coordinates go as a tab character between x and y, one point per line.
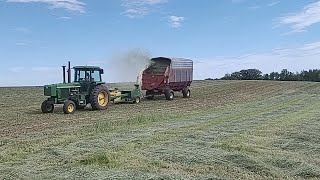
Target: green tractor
87	88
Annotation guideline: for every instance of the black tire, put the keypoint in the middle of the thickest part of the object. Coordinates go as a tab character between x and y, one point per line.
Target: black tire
186	93
137	100
47	107
169	94
150	94
99	103
69	107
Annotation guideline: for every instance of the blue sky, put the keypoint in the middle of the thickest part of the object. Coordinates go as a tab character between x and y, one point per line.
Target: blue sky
221	36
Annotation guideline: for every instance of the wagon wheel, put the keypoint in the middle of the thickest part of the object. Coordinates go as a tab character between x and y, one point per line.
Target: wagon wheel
150	94
137	100
169	94
186	92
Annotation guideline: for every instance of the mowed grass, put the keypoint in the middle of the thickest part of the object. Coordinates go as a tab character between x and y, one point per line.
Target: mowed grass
227	130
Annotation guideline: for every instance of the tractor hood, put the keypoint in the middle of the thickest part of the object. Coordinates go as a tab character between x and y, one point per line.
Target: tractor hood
51	89
64	85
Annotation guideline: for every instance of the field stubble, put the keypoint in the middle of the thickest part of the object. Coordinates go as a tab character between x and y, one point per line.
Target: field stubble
227	130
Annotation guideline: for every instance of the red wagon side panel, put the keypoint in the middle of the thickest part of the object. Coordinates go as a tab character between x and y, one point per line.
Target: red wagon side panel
152	82
182	73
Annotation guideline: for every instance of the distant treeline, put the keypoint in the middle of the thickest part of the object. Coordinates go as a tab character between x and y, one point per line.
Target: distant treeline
284	75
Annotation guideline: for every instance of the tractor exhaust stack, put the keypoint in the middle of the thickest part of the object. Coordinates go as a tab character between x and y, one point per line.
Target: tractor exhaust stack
64	74
69	72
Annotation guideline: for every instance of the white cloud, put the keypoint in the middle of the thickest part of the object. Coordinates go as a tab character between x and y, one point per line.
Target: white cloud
24	30
176	21
16	69
136	12
21	43
45	69
299	21
69	5
140	8
254	7
294	59
274	3
311	46
238	1
64	18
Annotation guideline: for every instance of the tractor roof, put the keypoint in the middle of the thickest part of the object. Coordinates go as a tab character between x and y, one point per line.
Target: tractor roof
87	67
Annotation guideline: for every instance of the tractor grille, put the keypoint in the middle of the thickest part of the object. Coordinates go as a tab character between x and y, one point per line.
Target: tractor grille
47	91
65	93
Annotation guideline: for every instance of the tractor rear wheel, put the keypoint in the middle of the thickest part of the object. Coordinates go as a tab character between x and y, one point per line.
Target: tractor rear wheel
169	94
69	107
100	97
47	107
186	92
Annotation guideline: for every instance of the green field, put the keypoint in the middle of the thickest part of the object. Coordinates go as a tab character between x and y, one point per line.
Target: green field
227	130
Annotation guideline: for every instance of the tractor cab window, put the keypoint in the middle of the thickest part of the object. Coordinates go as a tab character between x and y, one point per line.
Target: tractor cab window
80	75
87	76
95	75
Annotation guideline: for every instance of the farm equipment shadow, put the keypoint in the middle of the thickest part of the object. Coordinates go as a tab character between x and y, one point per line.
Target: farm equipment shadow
59	109
56	111
34	112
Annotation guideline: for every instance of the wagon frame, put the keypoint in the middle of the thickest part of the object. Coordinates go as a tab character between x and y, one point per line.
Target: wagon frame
167	76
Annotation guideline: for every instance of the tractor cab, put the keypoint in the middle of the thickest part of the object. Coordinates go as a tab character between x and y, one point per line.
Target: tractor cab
90	74
88	77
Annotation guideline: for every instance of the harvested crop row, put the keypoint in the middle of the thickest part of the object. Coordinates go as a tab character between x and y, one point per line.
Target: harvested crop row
18	120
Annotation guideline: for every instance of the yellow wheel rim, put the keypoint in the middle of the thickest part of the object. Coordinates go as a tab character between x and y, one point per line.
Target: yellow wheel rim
103	99
70	108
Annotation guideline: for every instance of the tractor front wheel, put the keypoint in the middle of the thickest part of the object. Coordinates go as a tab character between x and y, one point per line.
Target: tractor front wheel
47	107
69	107
100	97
